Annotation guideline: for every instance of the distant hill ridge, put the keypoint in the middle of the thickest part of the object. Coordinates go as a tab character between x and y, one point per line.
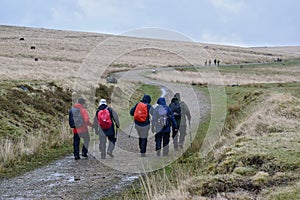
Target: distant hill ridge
38	53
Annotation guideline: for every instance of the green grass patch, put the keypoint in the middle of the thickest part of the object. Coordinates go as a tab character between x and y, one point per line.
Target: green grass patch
263	164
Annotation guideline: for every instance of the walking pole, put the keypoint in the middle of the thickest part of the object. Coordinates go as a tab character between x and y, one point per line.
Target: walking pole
131	129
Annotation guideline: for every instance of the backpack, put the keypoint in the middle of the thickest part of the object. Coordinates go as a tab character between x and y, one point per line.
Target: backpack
162	116
176	109
141	112
75	118
104	119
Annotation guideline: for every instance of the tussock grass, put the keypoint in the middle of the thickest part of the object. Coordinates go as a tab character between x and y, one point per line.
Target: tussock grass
33	122
14	151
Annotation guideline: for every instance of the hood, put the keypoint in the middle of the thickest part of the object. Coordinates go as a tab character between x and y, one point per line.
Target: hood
78	105
177	95
146	99
102	107
161	101
174	100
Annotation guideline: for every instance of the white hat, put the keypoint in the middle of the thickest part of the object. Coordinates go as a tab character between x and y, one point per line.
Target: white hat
102	101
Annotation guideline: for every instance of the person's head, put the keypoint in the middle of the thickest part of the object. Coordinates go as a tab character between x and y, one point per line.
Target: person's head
146	99
174	99
102	102
177	95
81	101
161	101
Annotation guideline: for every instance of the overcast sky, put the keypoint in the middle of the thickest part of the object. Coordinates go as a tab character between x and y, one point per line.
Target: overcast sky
230	22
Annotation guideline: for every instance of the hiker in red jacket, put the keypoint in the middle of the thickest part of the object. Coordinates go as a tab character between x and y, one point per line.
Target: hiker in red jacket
82	131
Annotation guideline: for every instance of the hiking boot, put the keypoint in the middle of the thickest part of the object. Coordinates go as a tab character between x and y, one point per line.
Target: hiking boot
85	155
102	157
77	158
158	153
143	155
110	154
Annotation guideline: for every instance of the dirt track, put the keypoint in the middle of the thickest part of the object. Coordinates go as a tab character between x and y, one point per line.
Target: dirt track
60	55
91	178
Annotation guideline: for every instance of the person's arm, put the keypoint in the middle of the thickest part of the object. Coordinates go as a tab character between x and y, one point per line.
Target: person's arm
151	109
187	112
153	121
86	118
132	110
115	117
173	121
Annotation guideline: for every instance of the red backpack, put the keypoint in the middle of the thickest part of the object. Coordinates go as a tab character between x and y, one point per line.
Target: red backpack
104	119
141	112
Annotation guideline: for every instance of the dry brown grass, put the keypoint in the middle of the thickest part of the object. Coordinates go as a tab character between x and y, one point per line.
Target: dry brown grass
260	153
240	77
61	54
13	150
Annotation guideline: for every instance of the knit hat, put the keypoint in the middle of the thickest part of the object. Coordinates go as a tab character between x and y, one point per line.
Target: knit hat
102	101
81	101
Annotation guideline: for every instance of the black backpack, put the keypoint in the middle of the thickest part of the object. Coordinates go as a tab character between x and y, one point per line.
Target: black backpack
75	118
176	109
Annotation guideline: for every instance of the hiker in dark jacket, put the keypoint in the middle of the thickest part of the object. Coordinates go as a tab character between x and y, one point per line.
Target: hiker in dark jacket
179	136
81	132
161	125
109	133
142	123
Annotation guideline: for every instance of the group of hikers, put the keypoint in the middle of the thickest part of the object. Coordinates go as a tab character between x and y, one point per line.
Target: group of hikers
210	62
161	119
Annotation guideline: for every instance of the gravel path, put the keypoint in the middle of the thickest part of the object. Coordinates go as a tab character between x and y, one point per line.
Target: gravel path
94	178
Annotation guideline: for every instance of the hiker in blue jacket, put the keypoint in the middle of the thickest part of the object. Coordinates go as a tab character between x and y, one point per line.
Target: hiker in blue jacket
162	121
141	112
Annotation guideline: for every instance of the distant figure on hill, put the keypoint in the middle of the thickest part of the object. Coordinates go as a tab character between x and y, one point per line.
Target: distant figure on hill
209	62
215	61
218	62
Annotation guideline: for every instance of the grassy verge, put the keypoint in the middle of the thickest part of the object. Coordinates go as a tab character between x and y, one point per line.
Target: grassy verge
33	123
33	129
257	155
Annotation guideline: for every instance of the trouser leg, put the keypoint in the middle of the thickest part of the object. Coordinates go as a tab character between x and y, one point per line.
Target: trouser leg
158	141
166	140
111	143
76	142
143	137
182	130
102	144
86	142
175	140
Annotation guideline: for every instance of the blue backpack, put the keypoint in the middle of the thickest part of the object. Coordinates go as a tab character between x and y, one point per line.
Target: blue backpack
75	118
162	116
